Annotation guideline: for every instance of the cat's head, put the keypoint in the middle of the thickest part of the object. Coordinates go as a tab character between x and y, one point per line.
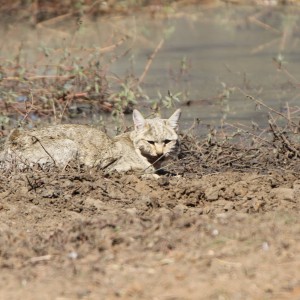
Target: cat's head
156	138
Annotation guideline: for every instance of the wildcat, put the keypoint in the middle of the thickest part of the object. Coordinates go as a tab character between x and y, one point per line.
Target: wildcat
145	148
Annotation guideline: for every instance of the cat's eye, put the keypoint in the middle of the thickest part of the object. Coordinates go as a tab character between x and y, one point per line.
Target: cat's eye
167	141
151	142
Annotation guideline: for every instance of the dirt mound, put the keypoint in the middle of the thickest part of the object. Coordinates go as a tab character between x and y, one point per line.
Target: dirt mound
81	234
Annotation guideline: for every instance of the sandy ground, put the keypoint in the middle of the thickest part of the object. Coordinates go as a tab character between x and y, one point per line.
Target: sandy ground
80	234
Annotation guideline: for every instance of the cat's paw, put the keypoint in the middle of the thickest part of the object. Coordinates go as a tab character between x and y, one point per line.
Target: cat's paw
150	176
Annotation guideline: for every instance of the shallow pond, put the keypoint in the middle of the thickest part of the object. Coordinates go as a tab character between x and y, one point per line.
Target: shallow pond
211	56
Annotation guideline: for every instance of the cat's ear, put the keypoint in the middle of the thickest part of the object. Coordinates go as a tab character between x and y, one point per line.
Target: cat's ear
138	120
173	120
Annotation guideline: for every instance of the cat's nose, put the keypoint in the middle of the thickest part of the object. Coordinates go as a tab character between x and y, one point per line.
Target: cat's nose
159	148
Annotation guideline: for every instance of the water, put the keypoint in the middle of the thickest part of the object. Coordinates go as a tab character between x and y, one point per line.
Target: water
205	53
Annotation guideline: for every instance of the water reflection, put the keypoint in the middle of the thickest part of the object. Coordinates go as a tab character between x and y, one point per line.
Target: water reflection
207	55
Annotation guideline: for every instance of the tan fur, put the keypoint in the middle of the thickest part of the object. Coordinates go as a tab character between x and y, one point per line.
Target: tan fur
151	140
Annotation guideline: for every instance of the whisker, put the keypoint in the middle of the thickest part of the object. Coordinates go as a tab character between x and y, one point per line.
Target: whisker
151	165
171	163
